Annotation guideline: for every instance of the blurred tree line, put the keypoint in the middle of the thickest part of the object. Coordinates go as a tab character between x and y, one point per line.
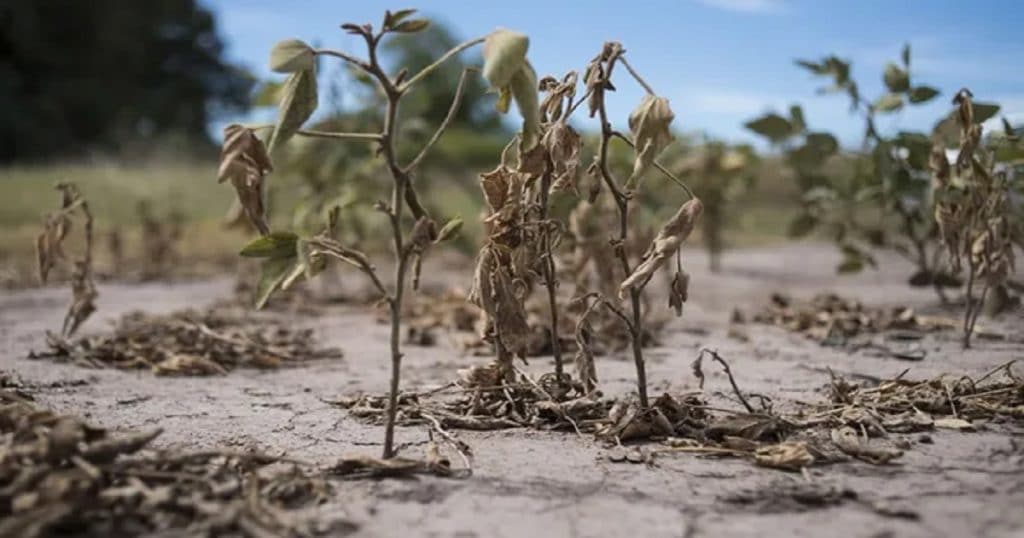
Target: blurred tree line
96	75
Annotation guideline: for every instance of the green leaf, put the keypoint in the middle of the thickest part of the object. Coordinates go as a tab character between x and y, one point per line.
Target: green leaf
298	103
391	19
896	79
292	55
272	245
984	111
411	27
906	55
801	226
449	230
813	67
272	274
796	118
889	102
772	126
922	94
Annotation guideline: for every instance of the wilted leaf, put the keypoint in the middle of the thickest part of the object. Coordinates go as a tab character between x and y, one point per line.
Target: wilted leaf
562	143
273	272
292	55
391	19
667	242
504	55
298	102
272	245
791	456
847	440
244	160
650	124
524	92
450	229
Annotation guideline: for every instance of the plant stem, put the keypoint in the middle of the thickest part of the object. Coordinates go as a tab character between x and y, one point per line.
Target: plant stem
452	110
548	265
622	203
430	68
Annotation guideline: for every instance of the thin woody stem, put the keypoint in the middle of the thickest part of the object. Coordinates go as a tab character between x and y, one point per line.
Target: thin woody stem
550	281
658	165
452	110
430	68
622	203
636	76
323	134
361	64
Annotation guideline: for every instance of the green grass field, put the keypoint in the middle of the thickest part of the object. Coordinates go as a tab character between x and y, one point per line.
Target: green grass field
189	187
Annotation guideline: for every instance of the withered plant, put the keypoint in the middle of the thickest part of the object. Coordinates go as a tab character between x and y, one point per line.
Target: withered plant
50	252
972	212
521	235
246	162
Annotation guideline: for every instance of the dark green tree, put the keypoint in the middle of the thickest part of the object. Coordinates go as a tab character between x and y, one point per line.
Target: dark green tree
79	76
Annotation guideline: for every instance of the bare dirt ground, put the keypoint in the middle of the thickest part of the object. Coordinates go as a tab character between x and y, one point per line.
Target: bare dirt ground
531	483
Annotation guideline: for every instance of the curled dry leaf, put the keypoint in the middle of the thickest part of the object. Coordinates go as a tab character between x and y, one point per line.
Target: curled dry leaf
558	94
245	162
562	143
665	244
83	297
789	456
847	440
649	123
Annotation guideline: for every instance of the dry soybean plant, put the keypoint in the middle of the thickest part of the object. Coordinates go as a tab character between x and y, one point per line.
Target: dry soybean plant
246	162
973	213
521	235
50	251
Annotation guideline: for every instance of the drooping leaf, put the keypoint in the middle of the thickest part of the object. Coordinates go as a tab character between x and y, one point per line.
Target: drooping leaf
298	102
524	93
896	79
650	124
268	94
292	55
905	56
273	272
772	126
922	94
272	245
450	229
504	54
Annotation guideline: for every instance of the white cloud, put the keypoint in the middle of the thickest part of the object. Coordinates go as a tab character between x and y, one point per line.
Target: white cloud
745	6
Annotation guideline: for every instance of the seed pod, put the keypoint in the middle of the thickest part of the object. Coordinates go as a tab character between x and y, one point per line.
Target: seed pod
649	123
667	242
504	55
679	291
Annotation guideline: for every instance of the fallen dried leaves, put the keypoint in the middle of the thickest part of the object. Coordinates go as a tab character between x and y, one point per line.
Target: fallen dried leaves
59	474
190	342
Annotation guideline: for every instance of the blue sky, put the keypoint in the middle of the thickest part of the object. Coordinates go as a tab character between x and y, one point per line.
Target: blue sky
720	62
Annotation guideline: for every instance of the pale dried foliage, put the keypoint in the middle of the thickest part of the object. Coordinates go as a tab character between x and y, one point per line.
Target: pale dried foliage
50	251
245	162
972	212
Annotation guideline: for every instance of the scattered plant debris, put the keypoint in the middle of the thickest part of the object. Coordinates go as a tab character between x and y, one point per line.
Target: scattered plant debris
190	342
50	251
834	320
60	475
